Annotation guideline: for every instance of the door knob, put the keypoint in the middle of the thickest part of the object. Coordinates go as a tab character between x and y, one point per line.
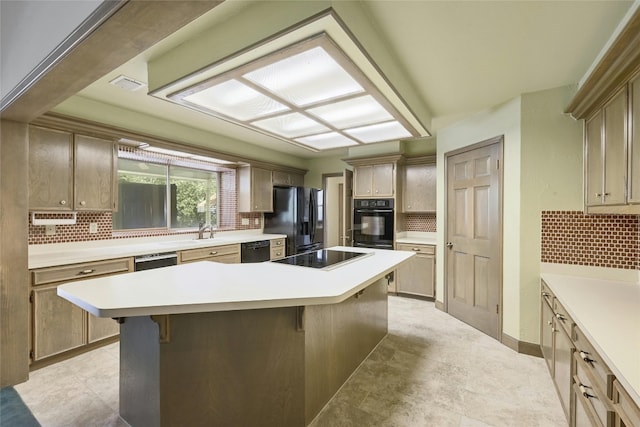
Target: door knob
449	245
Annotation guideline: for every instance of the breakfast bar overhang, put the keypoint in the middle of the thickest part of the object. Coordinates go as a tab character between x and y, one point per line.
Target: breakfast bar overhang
240	344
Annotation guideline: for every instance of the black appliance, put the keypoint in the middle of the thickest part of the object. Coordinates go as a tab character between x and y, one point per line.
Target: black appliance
151	261
255	251
297	213
323	258
373	223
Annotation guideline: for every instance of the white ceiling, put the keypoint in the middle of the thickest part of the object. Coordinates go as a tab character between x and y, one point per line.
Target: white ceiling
462	56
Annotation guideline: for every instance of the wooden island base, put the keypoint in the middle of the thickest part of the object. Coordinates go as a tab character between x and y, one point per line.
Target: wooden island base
267	367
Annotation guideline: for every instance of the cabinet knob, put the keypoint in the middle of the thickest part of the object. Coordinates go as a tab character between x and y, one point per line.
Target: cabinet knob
598	194
415	249
89	271
560	317
63	202
83	203
449	245
213	252
585	356
278	253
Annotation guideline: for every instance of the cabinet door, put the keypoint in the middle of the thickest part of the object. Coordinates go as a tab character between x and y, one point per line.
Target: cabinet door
58	325
615	139
634	142
262	190
383	180
546	334
594	160
562	361
362	181
417	276
420	188
50	169
94	162
100	328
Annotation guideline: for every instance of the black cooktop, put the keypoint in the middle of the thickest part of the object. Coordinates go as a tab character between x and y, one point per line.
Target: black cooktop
323	258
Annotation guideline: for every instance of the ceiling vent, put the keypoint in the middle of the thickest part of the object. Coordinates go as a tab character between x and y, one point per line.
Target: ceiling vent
127	83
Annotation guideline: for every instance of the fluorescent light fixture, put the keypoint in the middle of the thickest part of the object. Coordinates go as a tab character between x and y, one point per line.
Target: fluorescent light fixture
309	93
373	133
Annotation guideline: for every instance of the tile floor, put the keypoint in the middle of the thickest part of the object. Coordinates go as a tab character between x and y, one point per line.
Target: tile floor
431	370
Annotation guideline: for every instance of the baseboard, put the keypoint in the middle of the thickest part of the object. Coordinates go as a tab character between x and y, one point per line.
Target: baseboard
439	305
521	346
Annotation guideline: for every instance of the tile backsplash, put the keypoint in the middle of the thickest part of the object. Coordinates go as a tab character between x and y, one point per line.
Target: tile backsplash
571	237
79	232
421	222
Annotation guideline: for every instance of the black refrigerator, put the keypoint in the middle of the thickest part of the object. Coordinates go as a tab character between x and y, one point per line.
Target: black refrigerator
297	212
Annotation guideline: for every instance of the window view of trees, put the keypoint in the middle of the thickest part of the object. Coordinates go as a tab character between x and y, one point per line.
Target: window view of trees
143	202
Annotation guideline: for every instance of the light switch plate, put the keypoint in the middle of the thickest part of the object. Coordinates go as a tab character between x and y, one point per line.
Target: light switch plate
93	227
245	221
50	230
256	221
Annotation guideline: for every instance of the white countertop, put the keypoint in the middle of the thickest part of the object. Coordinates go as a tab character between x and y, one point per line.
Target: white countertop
416	238
608	313
210	286
71	253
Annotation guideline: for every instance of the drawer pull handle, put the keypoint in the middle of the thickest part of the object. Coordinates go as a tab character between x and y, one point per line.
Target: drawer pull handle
549	323
560	317
415	249
585	356
213	252
89	271
545	294
583	390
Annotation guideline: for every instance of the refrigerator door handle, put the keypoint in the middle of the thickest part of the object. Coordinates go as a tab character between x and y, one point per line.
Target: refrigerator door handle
312	216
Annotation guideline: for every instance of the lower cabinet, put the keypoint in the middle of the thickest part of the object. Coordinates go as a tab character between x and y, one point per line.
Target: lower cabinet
278	248
227	254
587	388
417	276
57	326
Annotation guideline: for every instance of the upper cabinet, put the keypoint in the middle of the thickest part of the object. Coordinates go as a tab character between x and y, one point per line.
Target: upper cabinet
609	102
70	172
255	189
419	185
287	179
612	181
374	177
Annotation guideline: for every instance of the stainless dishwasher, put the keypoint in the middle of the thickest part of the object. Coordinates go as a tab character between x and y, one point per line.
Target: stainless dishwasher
151	261
255	251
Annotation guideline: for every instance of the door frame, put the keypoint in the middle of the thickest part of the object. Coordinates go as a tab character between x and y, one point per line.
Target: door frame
487	142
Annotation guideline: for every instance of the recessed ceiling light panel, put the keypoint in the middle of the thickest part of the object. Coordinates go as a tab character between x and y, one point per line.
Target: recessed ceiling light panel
306	78
379	132
326	141
309	93
236	100
291	125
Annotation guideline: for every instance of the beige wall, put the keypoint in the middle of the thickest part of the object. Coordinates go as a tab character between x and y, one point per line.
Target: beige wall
551	179
542	171
324	165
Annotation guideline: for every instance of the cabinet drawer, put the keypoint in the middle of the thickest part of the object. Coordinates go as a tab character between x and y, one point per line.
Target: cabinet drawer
594	365
79	271
277	243
627	413
206	253
563	317
277	253
593	397
424	249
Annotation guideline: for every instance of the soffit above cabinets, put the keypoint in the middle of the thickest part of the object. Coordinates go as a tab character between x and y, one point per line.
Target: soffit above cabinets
351	103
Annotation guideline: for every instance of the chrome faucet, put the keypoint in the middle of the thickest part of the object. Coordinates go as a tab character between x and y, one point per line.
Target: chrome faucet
202	228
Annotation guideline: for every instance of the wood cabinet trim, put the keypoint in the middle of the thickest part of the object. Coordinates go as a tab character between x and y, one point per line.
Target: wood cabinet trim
613	71
209	252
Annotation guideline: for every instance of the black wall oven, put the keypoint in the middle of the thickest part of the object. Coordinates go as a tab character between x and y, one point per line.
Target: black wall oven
373	223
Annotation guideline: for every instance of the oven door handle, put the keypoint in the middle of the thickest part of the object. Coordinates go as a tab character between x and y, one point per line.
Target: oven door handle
374	210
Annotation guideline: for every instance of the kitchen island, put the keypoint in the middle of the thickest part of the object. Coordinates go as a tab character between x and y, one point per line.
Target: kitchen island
240	344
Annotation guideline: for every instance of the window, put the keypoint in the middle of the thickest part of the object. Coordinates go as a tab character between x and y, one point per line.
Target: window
164	192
